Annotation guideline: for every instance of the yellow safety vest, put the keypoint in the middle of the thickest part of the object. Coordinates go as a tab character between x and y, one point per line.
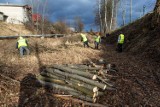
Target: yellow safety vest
97	39
121	39
84	37
21	42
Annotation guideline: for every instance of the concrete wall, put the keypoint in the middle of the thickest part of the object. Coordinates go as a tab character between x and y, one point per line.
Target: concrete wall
16	14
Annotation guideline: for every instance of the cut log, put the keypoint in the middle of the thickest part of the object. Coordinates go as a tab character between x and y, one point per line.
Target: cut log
57	81
74	71
64	88
83	90
100	85
82	97
111	85
72	85
55	76
69	90
83	84
79	101
83	67
71	81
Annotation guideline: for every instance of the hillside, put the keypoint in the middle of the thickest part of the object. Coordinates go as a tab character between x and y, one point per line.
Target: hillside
141	38
13	29
137	81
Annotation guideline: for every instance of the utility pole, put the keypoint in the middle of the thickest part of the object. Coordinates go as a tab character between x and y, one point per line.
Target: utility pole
131	11
140	15
144	7
37	16
123	16
43	13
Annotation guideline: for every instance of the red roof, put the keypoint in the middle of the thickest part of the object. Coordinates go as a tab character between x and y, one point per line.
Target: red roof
36	17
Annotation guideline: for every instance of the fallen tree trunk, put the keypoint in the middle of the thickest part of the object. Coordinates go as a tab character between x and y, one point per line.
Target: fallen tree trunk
84	103
71	80
86	98
74	71
100	85
69	90
57	81
82	84
83	67
111	85
75	86
64	88
55	76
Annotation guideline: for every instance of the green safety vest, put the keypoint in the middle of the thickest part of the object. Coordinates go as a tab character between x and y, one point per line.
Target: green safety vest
21	42
121	39
97	39
84	37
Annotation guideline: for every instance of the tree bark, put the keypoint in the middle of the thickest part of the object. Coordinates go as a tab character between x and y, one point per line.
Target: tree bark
79	101
69	90
75	86
83	67
70	80
64	88
100	85
47	79
73	71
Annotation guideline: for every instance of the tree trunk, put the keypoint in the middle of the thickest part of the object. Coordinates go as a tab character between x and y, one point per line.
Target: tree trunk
100	85
73	71
100	17
70	80
69	90
64	88
47	79
83	67
75	86
157	11
86	98
67	97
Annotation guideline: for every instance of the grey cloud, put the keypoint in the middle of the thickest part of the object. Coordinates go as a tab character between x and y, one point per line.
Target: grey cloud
68	9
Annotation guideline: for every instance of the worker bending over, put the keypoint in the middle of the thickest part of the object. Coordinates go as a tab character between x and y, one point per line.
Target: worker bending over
84	40
22	46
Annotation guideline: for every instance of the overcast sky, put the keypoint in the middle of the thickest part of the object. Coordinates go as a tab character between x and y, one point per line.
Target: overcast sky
68	9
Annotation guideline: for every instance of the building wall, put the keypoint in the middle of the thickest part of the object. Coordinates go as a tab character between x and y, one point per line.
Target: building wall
16	14
1	16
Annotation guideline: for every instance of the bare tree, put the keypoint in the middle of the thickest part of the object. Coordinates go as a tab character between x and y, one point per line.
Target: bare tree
61	27
107	11
100	17
38	8
78	24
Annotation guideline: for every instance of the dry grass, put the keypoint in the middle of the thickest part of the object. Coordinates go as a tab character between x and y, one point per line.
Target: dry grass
44	52
13	29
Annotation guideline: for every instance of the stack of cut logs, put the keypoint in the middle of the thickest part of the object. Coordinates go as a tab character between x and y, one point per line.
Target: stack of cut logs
80	81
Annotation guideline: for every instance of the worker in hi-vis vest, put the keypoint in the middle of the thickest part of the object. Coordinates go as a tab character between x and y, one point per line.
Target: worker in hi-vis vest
84	40
97	40
22	46
120	42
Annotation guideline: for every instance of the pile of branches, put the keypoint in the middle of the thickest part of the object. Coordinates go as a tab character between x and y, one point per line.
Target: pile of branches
80	81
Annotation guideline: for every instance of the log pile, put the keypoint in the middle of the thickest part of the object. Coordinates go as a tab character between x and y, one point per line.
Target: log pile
80	81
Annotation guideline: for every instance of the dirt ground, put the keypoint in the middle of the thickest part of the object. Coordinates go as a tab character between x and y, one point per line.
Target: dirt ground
137	81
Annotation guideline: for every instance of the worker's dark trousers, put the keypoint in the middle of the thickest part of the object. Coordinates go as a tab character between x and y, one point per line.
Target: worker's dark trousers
22	50
96	45
119	47
85	44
